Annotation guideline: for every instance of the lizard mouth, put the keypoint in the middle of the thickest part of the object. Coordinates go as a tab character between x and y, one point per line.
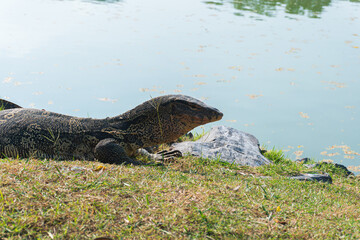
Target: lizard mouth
216	116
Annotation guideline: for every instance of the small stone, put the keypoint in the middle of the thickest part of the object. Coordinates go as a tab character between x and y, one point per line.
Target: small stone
313	177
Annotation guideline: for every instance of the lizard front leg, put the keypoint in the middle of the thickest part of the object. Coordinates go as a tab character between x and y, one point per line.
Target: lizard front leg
109	151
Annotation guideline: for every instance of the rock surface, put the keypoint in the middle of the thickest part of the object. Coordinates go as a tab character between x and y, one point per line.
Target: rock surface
226	143
306	161
313	177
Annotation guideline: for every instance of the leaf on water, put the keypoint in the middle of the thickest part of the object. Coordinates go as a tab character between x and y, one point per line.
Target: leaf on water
349	107
293	50
180	86
298	153
37	93
223	81
107	100
327	160
300	146
355	46
232	121
354	168
199	75
329	154
344	147
154	89
50	102
239	68
177	91
279	69
351	152
304	115
200	83
7	80
254	96
347	42
334	66
349	157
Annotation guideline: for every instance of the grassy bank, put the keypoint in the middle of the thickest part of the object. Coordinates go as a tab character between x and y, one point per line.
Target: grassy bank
189	198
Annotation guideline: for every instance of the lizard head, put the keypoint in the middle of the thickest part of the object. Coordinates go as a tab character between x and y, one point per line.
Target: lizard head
166	118
188	110
179	114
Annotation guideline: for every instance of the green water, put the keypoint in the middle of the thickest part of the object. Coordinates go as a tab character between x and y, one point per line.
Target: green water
286	71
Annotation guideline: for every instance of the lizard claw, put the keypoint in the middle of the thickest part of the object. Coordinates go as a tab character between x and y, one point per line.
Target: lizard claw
168	155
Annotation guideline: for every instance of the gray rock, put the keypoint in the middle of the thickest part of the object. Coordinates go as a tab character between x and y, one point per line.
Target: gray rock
313	177
226	143
305	161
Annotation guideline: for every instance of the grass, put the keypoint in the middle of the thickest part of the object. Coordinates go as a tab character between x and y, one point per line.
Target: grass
191	198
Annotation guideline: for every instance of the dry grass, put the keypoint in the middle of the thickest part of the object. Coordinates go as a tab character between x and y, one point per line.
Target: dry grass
190	198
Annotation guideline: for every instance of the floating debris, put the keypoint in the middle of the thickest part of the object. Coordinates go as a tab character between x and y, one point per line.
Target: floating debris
7	80
107	100
254	96
304	115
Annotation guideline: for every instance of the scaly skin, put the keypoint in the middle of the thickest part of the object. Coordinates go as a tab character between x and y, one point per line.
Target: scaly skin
7	105
42	134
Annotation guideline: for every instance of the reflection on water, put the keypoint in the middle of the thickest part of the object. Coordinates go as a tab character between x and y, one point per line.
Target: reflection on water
310	8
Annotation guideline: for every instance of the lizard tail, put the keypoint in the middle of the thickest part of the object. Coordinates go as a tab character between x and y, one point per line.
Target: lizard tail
7	105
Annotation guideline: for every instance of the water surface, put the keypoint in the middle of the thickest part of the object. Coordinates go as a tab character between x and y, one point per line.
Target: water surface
286	71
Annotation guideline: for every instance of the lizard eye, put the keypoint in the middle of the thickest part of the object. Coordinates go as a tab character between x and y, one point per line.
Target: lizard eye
193	107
